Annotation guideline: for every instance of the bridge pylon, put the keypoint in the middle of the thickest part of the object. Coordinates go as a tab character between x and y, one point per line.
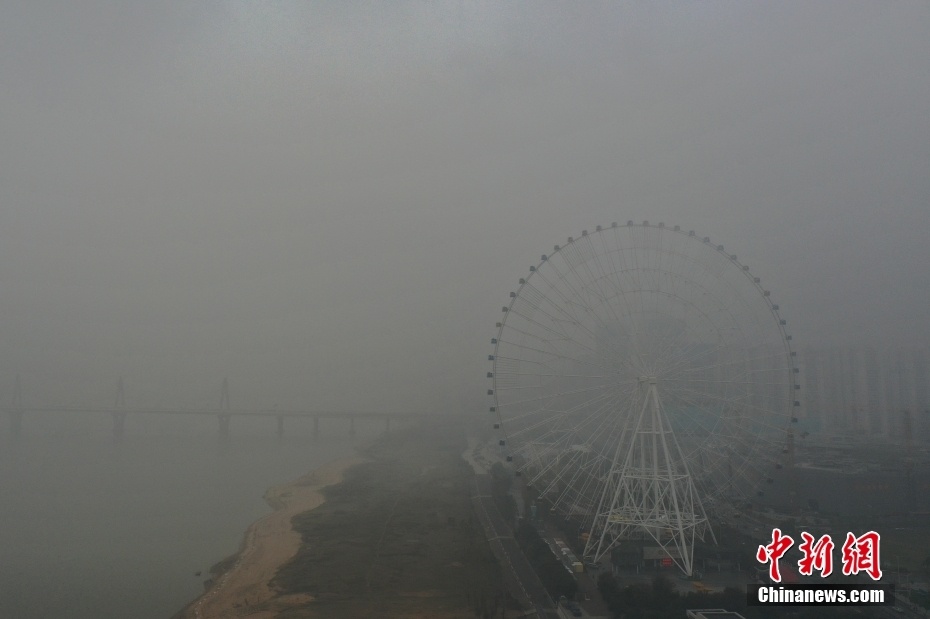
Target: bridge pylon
119	411
224	416
16	408
223	419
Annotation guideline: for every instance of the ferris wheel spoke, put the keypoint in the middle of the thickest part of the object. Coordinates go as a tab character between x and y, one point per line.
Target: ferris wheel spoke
743	400
553	419
742	362
553	355
605	274
665	351
641	263
564	308
547	415
751	471
550	375
761	413
740	441
579	296
561	444
693	419
720	376
616	271
578	416
602	416
534	300
571	492
687	358
575	257
566	303
589	360
577	299
563	338
557	395
553	320
561	335
584	492
566	474
552	467
722	381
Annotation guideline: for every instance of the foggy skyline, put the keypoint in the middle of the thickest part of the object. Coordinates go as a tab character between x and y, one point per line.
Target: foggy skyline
328	203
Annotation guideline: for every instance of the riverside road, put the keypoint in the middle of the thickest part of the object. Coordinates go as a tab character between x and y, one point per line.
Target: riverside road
517	569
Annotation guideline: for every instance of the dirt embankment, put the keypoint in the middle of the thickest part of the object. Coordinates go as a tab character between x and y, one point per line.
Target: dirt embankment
395	538
242	588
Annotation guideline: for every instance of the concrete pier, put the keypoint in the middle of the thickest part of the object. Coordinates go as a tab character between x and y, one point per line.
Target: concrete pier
16	423
119	424
223	419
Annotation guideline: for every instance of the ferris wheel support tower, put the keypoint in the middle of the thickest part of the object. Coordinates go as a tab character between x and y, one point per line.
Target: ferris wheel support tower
650	490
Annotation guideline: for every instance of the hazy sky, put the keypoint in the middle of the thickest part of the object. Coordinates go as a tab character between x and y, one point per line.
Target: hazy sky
328	202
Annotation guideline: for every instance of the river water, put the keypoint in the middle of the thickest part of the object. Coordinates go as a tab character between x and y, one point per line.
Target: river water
91	527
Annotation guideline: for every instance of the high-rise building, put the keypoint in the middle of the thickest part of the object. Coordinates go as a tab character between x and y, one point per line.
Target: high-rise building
864	392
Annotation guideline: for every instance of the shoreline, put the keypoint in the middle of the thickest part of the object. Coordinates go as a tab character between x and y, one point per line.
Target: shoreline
240	584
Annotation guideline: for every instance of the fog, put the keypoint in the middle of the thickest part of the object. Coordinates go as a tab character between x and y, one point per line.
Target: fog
327	203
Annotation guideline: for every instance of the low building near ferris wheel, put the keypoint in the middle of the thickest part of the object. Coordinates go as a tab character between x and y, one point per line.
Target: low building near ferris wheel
848	491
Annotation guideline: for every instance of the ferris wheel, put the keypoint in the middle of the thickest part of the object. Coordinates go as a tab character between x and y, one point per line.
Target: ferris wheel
642	375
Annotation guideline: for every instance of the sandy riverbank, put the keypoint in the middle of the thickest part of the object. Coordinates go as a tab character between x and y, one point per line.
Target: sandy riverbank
243	589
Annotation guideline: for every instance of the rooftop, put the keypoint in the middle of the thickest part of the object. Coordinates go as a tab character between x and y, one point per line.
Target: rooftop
713	613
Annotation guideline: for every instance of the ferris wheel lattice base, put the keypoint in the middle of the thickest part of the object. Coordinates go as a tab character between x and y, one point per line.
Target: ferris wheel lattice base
650	490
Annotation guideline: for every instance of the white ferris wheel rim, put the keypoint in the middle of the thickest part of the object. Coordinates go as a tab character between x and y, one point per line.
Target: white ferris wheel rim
672	307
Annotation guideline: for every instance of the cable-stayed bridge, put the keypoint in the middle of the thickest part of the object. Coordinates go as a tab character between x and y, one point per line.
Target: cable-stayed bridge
224	414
